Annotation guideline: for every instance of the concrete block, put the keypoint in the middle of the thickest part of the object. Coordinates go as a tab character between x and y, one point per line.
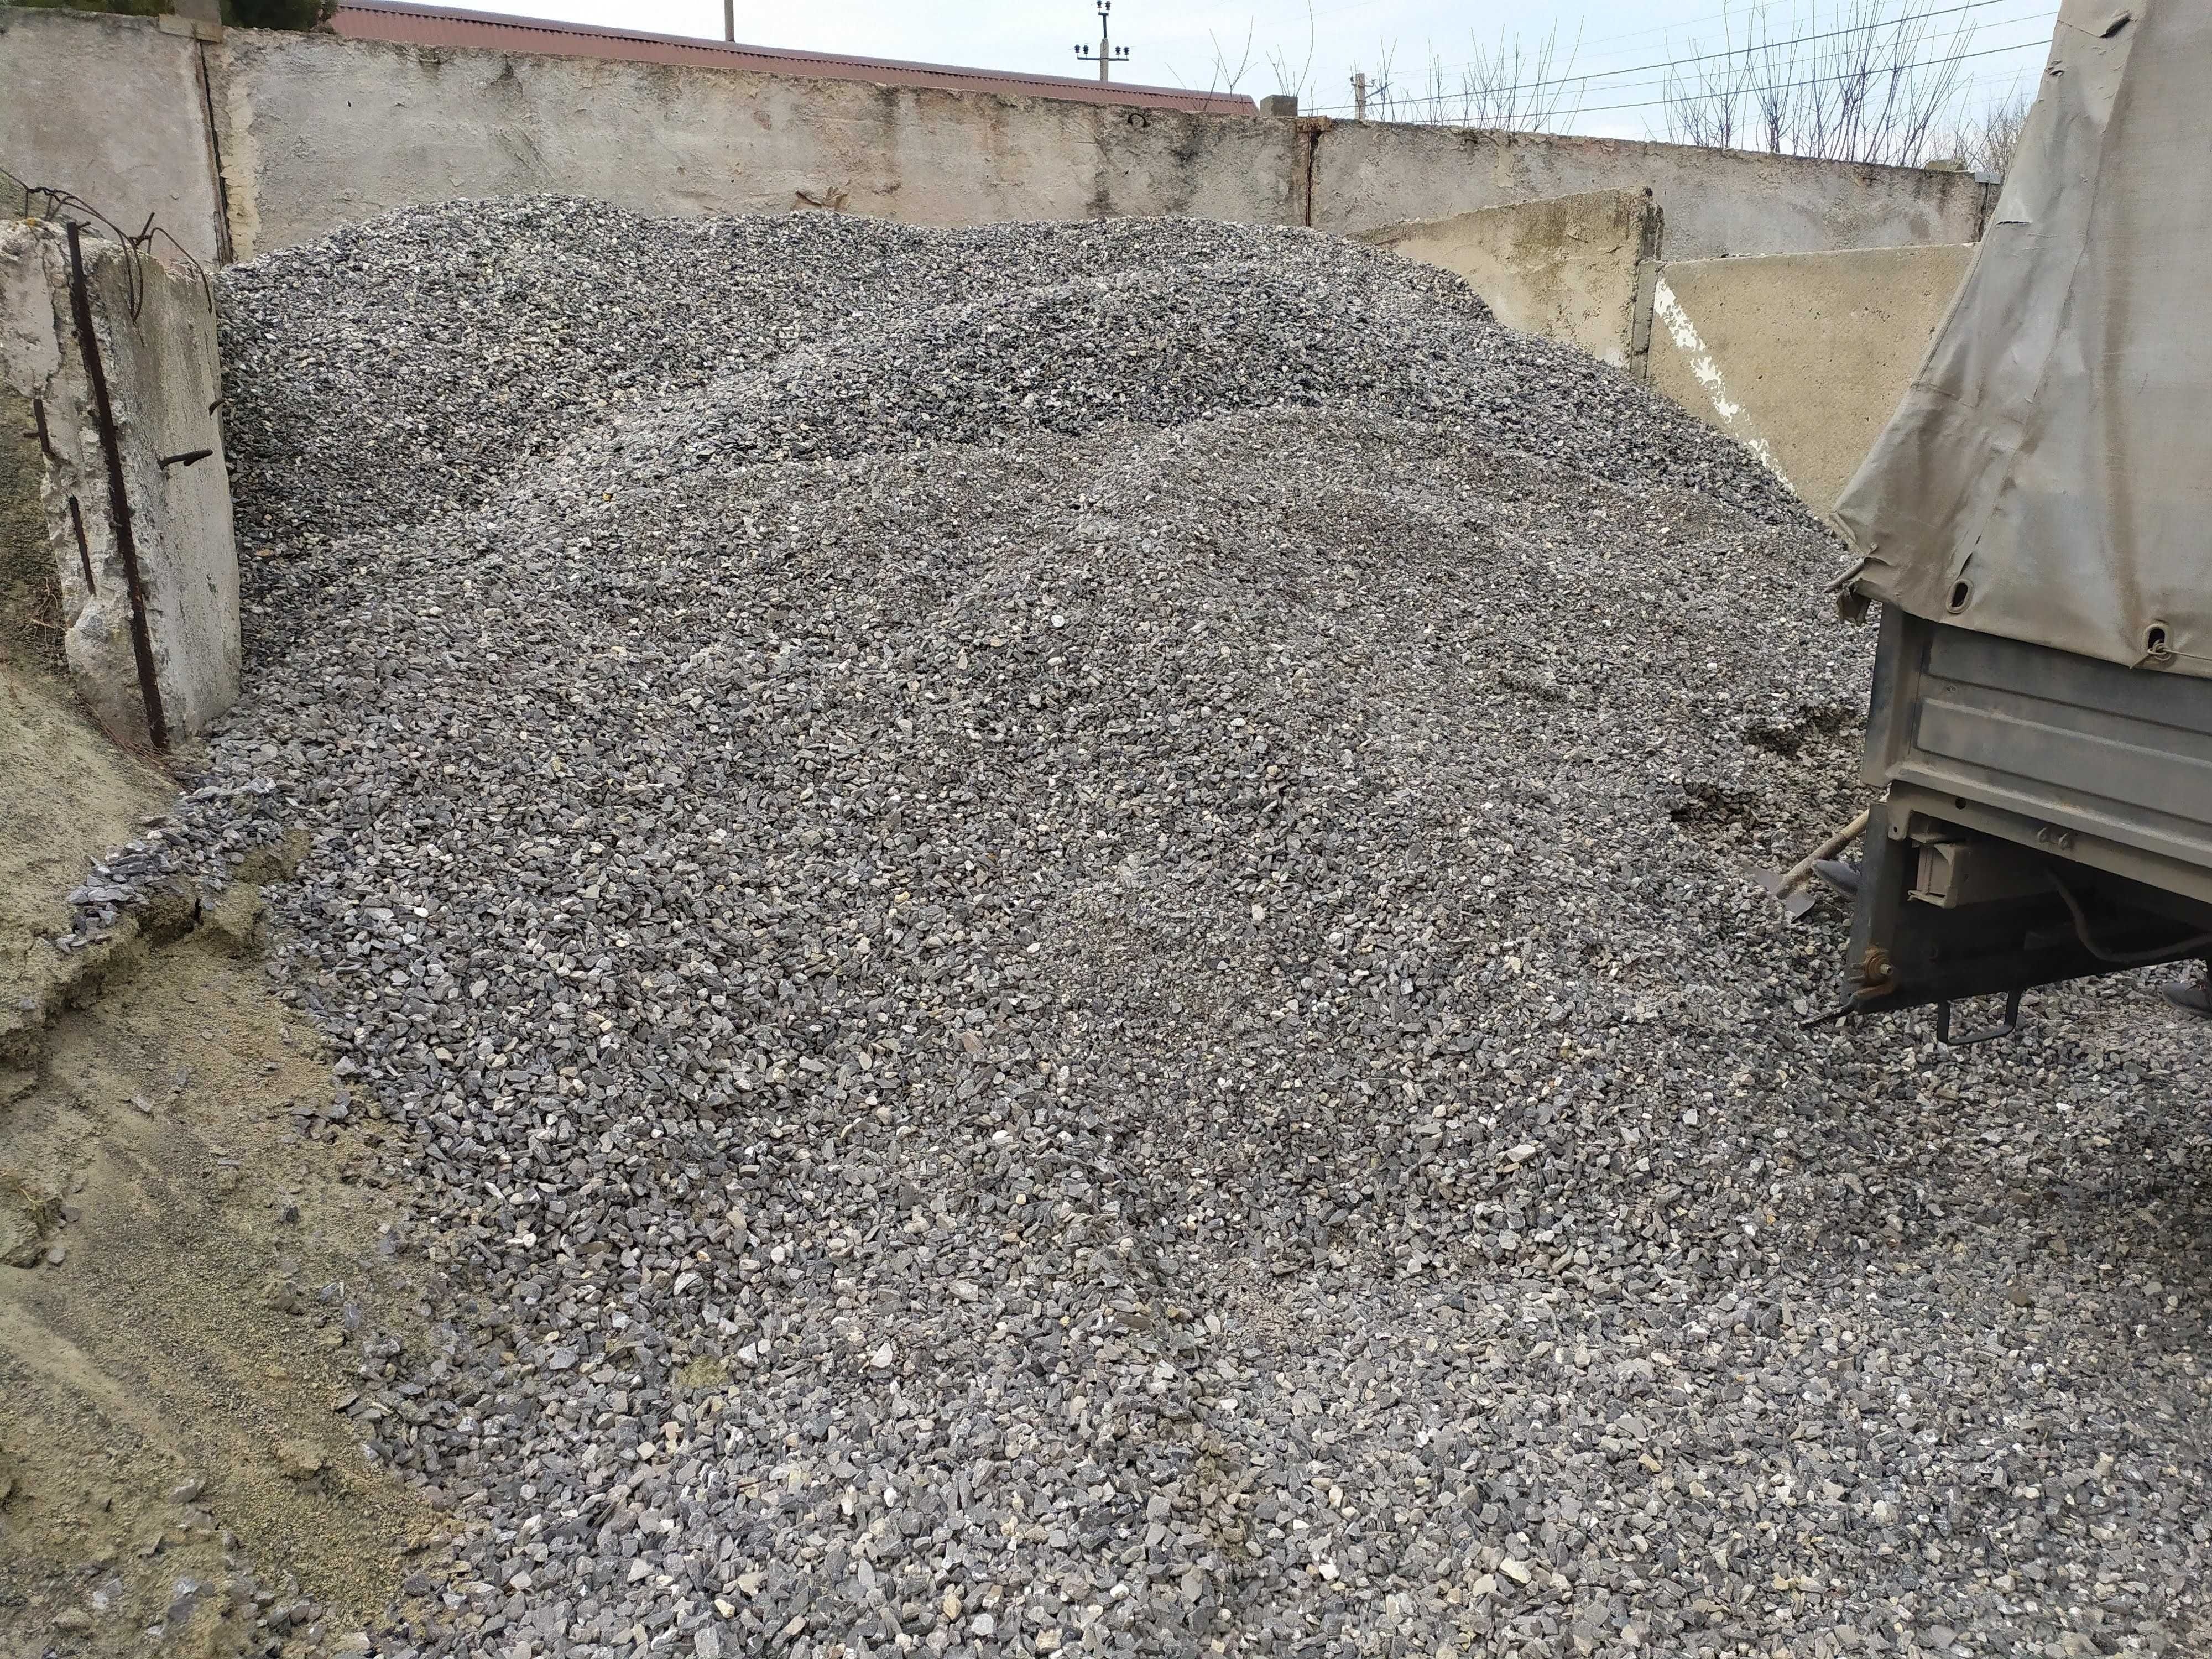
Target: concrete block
1803	358
259	140
317	131
113	109
201	19
154	332
1565	269
1718	202
193	28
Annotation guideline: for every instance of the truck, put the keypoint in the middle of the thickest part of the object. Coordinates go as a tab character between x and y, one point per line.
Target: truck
2035	524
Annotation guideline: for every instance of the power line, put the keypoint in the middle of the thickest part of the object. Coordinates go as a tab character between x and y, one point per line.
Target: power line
1720	16
2049	9
1786	86
1666	81
1986	78
1829	79
1763	45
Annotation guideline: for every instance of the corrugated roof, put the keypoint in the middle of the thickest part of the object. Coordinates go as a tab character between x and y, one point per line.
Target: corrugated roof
445	25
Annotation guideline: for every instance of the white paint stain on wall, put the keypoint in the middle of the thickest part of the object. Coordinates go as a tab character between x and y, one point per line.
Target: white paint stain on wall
1735	420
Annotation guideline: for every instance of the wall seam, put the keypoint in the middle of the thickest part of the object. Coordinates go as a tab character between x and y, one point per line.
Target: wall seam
1306	138
119	491
1649	265
224	251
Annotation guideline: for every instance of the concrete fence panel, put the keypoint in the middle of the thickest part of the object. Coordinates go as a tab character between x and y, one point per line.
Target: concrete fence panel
317	131
123	505
113	109
1566	269
1803	358
1718	202
278	138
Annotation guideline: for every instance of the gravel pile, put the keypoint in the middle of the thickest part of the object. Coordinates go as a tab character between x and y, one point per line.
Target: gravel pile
1051	926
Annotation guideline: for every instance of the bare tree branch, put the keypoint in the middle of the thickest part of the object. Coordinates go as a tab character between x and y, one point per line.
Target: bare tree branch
1291	85
1853	86
1510	90
1984	141
1224	78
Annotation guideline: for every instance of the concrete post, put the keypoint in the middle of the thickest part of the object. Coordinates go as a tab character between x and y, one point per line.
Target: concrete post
127	508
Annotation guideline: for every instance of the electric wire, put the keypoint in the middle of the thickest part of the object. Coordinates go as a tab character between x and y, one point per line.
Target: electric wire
1751	45
1886	73
2122	958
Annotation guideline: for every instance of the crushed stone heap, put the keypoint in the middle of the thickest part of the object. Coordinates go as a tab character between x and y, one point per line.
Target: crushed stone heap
1054	922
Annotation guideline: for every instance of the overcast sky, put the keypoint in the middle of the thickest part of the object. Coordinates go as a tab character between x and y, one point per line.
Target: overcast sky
1173	42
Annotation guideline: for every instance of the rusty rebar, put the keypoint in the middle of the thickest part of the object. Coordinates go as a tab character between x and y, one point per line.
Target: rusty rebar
83	547
119	497
45	438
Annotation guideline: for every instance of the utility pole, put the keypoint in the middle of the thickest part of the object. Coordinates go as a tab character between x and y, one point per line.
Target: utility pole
1107	53
1359	96
730	20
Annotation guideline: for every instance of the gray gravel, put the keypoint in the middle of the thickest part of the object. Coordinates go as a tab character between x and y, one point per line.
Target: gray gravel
1051	926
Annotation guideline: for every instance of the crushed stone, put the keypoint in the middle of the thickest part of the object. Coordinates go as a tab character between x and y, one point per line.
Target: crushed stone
1054	926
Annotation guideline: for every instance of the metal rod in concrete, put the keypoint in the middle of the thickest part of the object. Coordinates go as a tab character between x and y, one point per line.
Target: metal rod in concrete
118	497
1795	875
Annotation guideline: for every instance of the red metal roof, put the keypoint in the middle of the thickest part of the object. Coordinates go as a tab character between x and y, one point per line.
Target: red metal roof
443	25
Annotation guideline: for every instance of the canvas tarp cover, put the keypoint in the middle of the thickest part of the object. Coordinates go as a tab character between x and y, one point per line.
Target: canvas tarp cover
2049	475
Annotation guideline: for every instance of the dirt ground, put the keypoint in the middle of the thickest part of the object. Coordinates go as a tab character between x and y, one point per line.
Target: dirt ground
187	1243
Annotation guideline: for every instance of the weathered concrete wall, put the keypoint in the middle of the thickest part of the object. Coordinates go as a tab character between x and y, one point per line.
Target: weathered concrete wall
1718	202
113	109
1803	357
163	382
316	131
1567	270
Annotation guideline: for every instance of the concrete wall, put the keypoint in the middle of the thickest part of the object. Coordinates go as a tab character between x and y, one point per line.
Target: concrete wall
1718	202
110	108
1567	269
1803	357
262	141
316	131
162	380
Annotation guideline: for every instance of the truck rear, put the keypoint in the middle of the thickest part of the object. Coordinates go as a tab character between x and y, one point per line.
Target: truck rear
2036	525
